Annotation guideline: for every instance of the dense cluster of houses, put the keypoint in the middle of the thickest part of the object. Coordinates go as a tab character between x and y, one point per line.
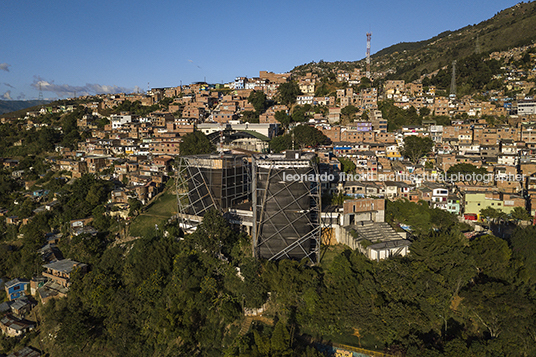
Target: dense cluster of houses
505	151
23	295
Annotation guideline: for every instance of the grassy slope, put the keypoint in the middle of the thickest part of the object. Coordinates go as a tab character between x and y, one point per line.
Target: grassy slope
157	212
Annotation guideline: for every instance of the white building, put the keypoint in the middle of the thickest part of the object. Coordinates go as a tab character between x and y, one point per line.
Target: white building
120	120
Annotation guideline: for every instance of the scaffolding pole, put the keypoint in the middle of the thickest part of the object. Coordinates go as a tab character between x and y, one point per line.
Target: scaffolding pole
286	215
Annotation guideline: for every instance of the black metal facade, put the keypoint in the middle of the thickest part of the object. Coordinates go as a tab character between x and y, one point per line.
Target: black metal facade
207	182
286	207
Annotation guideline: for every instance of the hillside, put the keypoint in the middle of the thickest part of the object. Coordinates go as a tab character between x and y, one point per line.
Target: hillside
8	106
512	27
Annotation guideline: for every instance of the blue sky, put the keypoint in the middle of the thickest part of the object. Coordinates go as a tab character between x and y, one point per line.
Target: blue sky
109	46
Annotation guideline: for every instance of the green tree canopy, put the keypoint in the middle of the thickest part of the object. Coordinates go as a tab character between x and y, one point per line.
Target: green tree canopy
348	113
258	100
196	143
416	147
465	168
348	165
250	116
521	214
281	143
321	90
365	83
304	136
287	93
299	113
398	117
282	117
492	213
466	172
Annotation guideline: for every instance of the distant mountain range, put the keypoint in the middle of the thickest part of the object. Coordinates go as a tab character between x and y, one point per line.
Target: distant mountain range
513	27
8	106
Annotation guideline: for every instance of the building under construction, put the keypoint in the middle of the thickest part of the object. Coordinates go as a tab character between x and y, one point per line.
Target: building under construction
286	206
207	182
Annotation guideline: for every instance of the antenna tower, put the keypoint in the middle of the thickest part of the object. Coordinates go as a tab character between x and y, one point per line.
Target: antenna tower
220	149
369	35
453	80
40	93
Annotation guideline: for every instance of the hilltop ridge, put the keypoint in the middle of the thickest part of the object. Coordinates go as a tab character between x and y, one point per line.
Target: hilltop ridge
512	27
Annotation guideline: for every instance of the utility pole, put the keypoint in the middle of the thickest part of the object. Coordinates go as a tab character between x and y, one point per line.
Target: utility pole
453	81
369	35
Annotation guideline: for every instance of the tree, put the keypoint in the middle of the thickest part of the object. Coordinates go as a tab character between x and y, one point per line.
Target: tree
47	138
282	117
307	136
521	214
102	122
424	111
322	90
348	165
196	143
258	100
467	172
250	116
348	113
70	130
281	143
299	114
214	235
492	213
524	250
287	93
135	206
304	136
416	147
338	200
491	255
280	341
365	83
397	117
101	221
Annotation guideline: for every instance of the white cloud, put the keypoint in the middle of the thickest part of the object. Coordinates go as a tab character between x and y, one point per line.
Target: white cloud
66	90
6	95
4	67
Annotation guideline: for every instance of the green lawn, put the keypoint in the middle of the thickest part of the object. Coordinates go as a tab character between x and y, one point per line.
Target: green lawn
165	205
158	212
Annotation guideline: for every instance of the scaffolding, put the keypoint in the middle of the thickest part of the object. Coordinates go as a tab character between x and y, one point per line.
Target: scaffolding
286	206
206	182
